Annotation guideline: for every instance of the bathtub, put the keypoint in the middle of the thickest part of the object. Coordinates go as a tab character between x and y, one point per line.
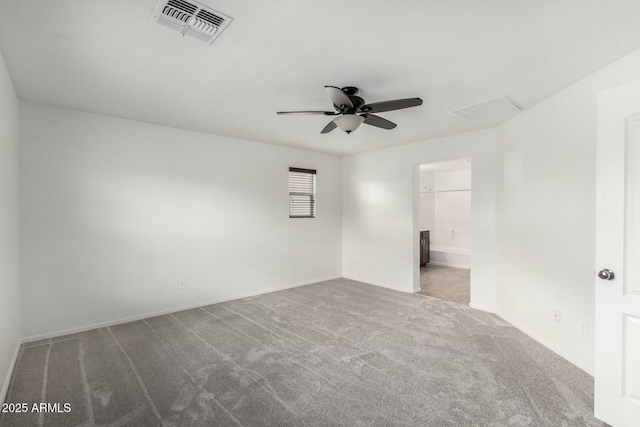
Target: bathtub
450	257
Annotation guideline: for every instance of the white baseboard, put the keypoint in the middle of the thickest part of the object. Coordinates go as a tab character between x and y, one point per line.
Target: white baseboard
378	285
167	311
7	380
481	308
444	264
547	344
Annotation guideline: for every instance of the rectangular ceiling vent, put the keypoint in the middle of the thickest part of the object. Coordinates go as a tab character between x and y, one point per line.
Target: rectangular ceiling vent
492	107
191	18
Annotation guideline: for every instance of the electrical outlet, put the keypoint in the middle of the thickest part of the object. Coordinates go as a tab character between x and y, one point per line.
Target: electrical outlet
182	284
557	315
583	328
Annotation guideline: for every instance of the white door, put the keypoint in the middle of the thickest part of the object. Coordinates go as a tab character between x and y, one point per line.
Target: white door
617	329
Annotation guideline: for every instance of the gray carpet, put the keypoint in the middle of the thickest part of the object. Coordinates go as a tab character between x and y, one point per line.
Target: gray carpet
337	353
451	284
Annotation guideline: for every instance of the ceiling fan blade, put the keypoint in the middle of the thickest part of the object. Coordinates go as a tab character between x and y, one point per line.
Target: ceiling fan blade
324	113
396	104
328	128
379	122
338	97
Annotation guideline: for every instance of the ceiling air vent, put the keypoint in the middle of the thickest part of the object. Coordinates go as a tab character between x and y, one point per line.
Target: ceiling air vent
492	107
191	18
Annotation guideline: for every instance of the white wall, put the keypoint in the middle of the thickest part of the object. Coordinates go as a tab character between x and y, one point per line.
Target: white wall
427	180
453	221
427	202
445	210
453	211
452	180
381	212
546	214
115	212
9	229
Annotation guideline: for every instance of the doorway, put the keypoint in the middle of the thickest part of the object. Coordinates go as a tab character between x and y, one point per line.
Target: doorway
445	230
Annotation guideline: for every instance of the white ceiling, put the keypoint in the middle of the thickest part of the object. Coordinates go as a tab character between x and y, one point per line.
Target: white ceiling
106	56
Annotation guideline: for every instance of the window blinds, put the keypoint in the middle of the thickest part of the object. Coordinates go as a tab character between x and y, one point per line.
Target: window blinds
302	193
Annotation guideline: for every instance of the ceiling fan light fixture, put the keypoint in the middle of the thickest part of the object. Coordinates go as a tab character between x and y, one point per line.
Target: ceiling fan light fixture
348	122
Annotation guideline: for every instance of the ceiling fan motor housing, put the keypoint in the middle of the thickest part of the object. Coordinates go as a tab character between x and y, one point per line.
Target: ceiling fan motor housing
350	90
357	103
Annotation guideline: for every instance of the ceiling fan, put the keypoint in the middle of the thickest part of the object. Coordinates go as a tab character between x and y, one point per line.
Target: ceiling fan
352	110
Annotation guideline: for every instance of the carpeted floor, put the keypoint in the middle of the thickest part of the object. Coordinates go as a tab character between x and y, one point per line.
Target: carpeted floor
337	353
448	283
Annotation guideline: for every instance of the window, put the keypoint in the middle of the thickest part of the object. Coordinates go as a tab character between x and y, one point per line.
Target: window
302	193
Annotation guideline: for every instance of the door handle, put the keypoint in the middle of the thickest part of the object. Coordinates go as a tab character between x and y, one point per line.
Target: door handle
606	274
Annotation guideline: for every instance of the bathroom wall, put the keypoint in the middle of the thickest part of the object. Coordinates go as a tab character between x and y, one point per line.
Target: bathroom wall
453	221
445	210
427	201
452	180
